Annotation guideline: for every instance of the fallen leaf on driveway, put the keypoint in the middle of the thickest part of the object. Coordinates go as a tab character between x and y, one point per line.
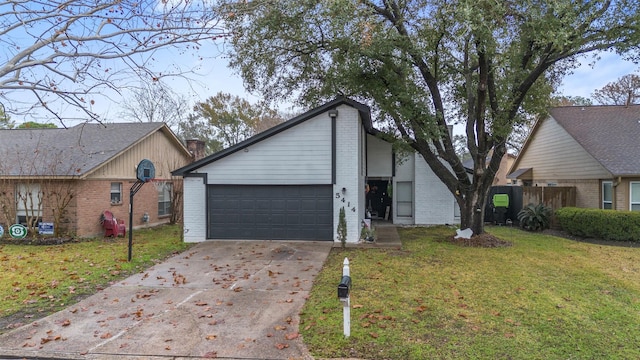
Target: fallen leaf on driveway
291	336
282	346
211	337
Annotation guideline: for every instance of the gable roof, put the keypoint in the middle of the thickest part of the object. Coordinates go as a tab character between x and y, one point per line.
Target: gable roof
363	109
609	133
70	152
469	163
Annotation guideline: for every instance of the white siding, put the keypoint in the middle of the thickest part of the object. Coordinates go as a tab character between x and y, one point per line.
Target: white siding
195	209
555	155
349	145
299	155
379	157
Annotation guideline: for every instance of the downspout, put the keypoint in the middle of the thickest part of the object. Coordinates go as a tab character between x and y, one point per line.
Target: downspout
333	114
614	191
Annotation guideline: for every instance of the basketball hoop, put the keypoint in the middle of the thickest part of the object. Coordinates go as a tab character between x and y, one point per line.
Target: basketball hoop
159	184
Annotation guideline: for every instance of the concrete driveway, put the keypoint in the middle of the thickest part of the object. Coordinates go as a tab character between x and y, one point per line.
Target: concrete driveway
220	299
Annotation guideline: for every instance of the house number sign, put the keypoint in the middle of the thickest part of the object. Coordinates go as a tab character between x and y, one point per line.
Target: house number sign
17	231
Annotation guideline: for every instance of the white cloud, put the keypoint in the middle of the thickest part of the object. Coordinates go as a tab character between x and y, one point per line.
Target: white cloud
588	78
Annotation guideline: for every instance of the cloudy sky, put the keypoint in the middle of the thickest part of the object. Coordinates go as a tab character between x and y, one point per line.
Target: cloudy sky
213	76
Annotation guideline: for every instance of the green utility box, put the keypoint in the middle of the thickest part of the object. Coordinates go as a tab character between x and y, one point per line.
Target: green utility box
501	200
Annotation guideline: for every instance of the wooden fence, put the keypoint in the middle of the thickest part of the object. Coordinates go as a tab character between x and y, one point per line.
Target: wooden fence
554	197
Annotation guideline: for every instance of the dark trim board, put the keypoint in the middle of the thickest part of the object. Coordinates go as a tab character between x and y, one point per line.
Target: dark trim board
270	212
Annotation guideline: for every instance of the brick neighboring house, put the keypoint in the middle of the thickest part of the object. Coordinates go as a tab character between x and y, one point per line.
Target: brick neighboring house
596	149
70	176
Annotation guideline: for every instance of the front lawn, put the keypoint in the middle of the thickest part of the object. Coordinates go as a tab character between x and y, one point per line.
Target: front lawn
38	280
542	298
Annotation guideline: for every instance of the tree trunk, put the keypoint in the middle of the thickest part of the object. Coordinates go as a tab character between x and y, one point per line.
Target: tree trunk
472	211
472	206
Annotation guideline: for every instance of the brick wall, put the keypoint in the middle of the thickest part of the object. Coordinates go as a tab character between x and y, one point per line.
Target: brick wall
94	197
348	147
434	203
587	192
7	207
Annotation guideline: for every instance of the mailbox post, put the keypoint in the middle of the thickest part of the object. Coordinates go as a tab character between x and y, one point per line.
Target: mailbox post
344	289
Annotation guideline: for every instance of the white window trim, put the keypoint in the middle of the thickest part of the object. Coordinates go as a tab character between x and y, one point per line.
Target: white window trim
603	201
111	192
631	203
410	202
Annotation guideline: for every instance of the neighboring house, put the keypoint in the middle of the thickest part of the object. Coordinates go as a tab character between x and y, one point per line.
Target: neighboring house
290	182
70	176
596	149
501	175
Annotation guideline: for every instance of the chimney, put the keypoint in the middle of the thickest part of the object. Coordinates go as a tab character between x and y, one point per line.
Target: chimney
196	148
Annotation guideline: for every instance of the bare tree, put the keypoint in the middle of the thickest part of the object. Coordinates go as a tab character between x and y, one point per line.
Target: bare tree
234	119
76	50
155	102
624	91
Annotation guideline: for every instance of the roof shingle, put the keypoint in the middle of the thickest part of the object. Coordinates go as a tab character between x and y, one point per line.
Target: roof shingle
611	134
73	151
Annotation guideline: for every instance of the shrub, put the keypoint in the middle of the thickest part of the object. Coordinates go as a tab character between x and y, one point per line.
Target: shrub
599	223
535	217
342	227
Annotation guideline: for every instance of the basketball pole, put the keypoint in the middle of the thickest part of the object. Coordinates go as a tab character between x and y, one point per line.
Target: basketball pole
134	189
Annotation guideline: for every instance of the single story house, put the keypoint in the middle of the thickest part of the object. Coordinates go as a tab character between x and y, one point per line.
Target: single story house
595	149
290	182
70	176
501	175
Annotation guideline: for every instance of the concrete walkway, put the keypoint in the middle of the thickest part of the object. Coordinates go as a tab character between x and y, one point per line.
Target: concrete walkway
386	237
220	299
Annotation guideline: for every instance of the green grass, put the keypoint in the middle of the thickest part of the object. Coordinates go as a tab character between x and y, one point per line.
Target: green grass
37	280
543	298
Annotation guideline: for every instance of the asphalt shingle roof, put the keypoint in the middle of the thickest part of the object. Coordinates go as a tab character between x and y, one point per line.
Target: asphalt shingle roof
73	151
611	134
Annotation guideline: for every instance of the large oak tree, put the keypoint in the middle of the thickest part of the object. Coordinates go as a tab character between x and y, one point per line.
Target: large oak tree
426	64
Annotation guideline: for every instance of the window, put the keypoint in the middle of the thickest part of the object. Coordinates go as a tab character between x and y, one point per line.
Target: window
404	195
634	201
116	193
607	195
164	199
29	204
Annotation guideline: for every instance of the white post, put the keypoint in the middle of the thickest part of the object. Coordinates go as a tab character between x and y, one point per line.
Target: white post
346	304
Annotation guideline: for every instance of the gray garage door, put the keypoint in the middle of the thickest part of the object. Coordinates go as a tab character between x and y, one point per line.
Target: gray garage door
261	212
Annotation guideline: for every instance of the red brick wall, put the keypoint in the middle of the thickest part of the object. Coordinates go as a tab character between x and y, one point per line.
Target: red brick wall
94	197
91	198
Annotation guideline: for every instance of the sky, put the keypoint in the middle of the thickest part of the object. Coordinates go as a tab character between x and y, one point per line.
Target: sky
586	78
583	81
212	75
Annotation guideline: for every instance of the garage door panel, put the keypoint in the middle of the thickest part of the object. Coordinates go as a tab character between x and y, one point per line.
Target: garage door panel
292	212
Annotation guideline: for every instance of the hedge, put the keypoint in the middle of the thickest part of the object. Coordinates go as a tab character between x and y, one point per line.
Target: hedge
600	224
